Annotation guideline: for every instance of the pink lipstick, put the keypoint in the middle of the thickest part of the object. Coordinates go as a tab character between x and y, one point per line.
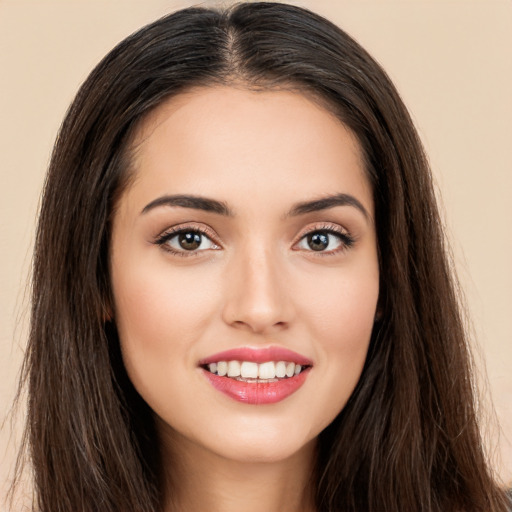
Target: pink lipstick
258	355
256	376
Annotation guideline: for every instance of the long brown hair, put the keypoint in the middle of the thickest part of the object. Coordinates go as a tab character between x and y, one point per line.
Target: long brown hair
407	440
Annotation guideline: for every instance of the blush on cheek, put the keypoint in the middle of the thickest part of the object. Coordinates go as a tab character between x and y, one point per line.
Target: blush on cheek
346	319
154	299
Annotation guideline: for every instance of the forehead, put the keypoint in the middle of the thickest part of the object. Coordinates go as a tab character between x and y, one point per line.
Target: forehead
223	140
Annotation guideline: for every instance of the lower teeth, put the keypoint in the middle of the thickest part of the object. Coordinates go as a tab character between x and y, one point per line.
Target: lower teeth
254	381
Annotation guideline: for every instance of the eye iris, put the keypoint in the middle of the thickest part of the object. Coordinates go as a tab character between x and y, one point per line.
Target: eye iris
318	241
189	241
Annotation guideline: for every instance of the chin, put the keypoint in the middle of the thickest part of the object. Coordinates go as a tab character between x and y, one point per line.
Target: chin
260	443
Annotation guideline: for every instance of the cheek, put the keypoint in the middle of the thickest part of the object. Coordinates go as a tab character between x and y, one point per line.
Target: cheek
348	319
159	316
341	307
341	318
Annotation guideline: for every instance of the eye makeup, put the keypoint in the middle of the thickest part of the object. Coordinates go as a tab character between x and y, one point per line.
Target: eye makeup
326	239
187	240
317	238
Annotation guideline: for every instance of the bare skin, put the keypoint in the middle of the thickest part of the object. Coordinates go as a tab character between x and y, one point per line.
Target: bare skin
226	485
285	256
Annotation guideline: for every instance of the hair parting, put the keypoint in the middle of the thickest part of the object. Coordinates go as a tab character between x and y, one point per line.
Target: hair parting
408	439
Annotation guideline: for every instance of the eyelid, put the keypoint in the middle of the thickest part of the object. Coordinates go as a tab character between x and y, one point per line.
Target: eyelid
347	239
173	231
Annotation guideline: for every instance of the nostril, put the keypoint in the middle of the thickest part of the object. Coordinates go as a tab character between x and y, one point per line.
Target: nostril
260	326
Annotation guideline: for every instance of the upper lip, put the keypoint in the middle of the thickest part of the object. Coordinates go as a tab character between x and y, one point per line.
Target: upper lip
258	355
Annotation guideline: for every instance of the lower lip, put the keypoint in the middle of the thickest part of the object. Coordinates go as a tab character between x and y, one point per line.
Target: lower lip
257	393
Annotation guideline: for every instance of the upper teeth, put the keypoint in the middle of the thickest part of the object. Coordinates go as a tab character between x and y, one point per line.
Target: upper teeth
250	370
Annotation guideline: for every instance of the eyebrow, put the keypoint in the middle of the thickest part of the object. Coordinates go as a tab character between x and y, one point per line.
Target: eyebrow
188	201
329	202
221	208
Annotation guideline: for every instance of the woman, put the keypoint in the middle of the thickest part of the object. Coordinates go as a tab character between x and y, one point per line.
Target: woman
241	296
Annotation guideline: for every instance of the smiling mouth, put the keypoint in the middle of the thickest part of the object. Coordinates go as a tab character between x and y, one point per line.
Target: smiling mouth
252	372
257	376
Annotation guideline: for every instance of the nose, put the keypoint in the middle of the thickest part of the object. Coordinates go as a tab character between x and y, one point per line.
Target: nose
257	298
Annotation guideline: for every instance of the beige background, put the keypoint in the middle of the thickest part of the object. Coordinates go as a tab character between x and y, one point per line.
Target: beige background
451	61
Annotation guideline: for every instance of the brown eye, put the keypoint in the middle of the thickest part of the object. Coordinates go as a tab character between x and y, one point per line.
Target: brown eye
185	241
190	241
325	241
318	241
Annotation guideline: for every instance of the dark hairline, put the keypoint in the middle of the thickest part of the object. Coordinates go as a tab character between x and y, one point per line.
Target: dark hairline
408	433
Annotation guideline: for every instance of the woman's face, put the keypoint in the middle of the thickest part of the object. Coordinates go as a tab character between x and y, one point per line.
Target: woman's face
246	244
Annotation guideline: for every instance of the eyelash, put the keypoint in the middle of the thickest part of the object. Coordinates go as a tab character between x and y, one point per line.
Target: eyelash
347	240
162	239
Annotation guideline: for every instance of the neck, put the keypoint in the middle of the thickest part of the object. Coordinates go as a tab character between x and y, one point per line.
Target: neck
198	480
